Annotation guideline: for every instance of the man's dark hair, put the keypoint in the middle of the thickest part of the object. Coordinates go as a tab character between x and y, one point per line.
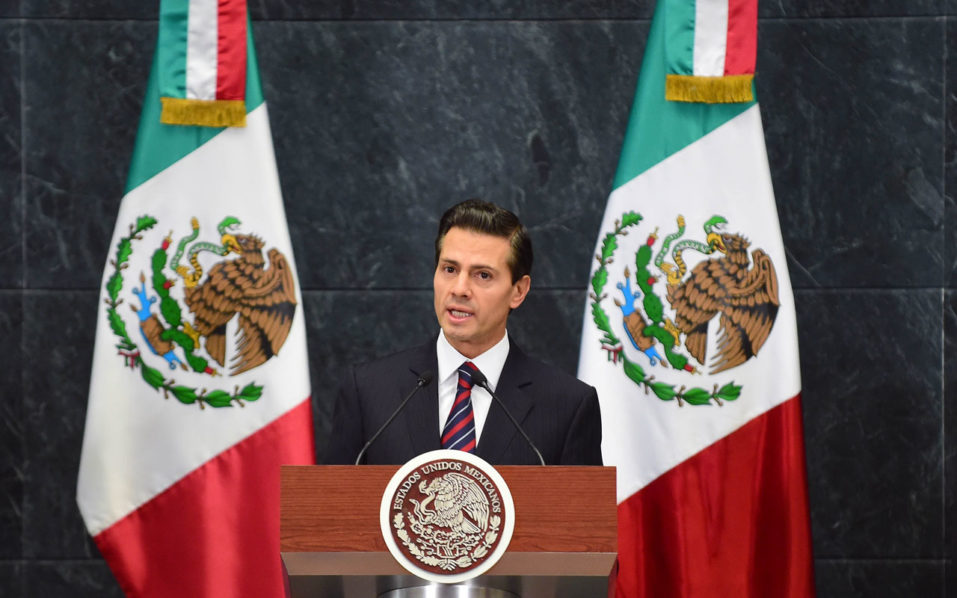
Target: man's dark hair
485	217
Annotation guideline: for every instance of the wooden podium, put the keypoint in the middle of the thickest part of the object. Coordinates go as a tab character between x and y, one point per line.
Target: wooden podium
564	543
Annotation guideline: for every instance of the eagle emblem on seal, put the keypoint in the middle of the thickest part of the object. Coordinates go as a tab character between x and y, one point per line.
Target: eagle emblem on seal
457	502
450	528
447	516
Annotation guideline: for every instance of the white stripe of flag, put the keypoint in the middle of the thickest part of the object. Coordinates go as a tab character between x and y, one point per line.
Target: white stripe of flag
202	44
710	37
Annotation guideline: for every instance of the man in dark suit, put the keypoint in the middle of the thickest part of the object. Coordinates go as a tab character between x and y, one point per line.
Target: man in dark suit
483	261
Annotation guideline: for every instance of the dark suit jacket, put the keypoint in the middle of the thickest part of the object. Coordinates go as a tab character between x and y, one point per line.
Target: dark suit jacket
558	412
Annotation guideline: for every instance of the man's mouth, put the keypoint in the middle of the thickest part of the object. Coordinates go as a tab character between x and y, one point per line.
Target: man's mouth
459	314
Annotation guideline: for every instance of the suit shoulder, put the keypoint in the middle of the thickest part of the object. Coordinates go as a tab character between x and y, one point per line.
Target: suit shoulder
400	360
556	377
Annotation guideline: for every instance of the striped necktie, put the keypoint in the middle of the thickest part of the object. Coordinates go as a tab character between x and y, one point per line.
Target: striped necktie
459	430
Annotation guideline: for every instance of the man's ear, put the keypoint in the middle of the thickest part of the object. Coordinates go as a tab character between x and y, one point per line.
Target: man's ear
520	291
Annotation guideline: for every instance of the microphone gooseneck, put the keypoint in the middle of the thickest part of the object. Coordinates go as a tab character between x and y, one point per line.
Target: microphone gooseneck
479	378
425	378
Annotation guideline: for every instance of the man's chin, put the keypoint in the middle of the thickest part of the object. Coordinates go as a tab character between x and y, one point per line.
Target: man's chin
459	334
456	331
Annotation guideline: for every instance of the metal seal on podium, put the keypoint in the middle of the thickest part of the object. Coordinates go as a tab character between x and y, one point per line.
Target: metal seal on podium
447	516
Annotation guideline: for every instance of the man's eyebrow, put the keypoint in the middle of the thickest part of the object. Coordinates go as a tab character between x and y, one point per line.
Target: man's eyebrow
483	267
473	267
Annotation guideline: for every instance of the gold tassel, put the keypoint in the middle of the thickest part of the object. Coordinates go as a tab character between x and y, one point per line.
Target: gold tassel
204	113
730	89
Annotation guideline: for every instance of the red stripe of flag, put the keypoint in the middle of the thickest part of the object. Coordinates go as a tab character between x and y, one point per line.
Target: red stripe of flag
231	50
214	532
742	45
729	521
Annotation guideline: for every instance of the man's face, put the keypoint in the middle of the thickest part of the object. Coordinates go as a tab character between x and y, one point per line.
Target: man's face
474	290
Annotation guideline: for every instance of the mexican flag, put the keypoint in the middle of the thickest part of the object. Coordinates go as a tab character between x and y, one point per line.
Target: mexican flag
200	381
689	332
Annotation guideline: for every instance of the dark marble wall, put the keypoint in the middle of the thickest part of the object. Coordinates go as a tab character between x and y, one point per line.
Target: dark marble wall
386	112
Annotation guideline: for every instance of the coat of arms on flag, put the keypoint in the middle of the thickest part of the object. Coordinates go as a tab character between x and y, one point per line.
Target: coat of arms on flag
719	308
196	305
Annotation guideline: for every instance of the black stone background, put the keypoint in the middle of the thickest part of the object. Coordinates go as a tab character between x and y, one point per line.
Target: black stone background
384	113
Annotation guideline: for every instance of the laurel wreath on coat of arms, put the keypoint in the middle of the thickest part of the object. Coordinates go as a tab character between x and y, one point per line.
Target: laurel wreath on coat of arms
431	542
739	288
263	298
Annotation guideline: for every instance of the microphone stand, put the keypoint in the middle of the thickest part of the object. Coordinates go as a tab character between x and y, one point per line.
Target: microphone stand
424	380
480	379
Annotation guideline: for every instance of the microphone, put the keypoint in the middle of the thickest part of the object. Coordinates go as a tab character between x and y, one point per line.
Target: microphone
480	379
425	378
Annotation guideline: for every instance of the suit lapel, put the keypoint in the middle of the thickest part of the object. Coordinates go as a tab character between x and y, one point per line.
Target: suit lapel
422	412
498	431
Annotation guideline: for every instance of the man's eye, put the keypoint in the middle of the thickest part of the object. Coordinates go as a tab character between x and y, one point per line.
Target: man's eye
484	275
448	269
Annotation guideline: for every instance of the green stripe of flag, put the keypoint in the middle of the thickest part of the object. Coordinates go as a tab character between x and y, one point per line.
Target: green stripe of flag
159	146
679	33
171	48
658	128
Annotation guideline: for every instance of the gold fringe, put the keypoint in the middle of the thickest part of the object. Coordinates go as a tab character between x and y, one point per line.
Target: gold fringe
204	113
730	89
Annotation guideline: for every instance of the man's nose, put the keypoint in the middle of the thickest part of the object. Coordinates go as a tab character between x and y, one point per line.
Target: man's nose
461	286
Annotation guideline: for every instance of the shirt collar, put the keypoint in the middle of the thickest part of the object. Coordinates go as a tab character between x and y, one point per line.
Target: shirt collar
489	363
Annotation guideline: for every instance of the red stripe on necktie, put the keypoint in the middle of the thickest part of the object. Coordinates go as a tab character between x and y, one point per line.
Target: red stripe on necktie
457	427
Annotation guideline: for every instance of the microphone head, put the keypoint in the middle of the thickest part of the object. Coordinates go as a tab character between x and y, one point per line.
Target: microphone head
425	378
479	378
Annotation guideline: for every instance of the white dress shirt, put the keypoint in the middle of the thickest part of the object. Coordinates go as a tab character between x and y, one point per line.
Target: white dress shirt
489	363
